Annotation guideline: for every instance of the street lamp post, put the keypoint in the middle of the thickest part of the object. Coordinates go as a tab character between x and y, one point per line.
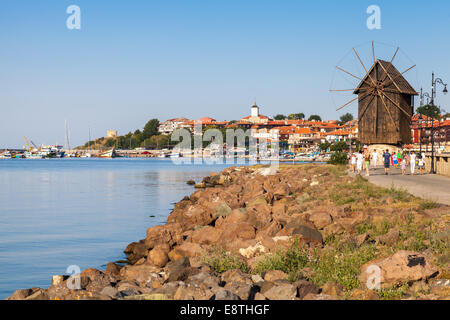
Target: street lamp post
434	82
419	120
427	95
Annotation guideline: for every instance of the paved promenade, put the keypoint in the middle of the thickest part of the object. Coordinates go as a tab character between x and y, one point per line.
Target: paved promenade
428	186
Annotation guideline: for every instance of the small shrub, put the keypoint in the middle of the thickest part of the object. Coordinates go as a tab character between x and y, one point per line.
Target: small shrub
290	261
338	158
220	260
342	266
396	292
428	204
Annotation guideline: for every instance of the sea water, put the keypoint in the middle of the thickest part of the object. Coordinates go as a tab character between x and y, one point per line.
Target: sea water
55	213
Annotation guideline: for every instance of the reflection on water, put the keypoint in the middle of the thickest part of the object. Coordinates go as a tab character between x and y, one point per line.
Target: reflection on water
60	212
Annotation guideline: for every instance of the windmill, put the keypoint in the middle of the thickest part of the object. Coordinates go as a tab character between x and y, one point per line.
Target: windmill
385	102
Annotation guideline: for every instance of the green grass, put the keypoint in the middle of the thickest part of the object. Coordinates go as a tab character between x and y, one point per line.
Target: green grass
373	229
290	261
396	292
220	260
341	265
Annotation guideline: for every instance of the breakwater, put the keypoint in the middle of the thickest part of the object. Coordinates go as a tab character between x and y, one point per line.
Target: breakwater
304	232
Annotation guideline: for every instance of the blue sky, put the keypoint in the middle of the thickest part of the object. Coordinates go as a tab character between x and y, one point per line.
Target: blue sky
136	60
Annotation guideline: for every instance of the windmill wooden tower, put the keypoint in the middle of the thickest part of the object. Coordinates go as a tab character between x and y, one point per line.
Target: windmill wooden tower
385	103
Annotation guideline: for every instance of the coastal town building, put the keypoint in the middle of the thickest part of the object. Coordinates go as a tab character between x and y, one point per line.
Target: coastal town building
430	128
299	133
168	126
255	117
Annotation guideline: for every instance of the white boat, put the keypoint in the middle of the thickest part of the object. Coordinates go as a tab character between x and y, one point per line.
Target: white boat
34	155
175	155
108	154
5	155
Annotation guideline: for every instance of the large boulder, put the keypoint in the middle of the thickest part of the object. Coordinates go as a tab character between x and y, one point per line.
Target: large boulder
272	275
186	249
402	266
135	251
305	287
223	294
170	234
191	292
20	294
236	275
259	215
206	235
242	290
94	280
192	216
144	274
320	219
204	280
298	227
180	270
240	230
281	291
158	256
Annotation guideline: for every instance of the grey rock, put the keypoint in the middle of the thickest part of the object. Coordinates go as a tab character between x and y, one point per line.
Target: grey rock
109	292
223	294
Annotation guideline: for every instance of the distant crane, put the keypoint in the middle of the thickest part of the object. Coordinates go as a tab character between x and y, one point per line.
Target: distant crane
28	144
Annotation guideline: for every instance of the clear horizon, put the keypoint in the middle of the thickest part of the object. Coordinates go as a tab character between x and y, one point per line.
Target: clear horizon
132	61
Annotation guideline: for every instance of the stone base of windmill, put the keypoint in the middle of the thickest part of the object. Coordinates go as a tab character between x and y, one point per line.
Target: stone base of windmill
381	148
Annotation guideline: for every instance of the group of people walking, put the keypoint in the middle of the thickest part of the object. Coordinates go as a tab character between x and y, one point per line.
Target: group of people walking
365	160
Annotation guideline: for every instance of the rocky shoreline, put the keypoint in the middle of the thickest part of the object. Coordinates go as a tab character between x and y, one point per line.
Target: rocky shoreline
308	232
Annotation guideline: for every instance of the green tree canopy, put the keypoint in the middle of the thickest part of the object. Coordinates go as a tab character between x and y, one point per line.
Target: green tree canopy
110	142
296	116
339	146
314	117
429	111
345	118
280	117
324	146
150	128
158	141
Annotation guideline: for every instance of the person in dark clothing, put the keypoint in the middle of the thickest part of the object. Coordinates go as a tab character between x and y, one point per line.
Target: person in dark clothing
387	161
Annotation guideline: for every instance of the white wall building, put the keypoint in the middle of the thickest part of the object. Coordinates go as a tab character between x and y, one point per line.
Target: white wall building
167	127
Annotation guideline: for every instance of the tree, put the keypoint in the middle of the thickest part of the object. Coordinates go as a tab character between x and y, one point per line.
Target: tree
429	111
159	141
339	146
346	118
338	158
324	146
296	116
314	117
280	117
110	142
150	128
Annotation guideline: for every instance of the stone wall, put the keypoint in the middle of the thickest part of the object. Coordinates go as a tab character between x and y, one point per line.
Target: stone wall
441	164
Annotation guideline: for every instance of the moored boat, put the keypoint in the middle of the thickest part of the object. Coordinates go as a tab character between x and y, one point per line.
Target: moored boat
108	154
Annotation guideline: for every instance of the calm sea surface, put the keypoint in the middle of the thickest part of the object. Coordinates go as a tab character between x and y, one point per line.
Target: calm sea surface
60	212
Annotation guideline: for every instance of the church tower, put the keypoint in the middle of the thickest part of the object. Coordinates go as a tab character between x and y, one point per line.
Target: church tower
254	110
